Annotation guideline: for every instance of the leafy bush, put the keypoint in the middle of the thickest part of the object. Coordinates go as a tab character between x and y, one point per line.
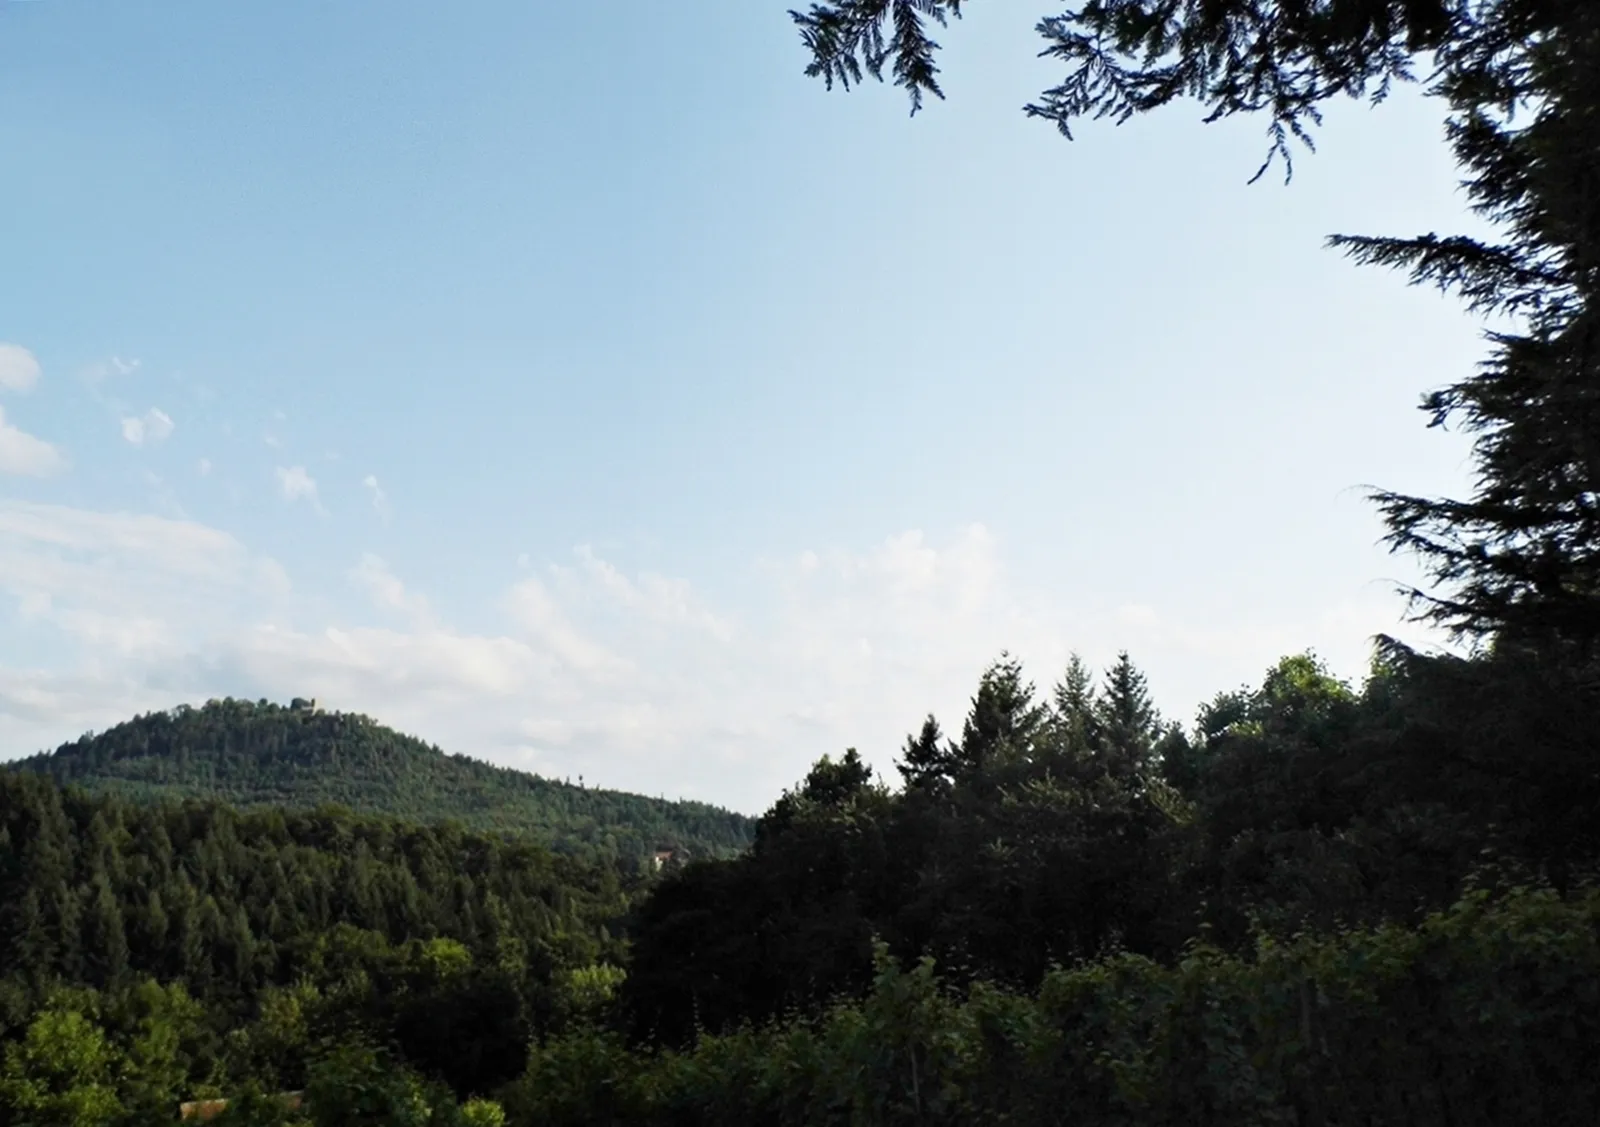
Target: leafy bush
1485	1014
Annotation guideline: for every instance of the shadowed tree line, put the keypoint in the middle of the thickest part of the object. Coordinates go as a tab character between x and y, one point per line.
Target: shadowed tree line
1064	828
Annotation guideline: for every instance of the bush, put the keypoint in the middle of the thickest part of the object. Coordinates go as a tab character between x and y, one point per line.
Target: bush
1485	1014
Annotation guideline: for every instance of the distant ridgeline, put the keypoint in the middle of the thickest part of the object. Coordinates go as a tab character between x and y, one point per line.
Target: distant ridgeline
300	756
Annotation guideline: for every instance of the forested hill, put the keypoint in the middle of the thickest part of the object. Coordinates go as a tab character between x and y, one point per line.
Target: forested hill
264	754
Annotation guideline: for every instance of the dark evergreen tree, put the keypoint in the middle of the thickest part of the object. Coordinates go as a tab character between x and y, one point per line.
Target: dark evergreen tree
1280	58
1076	722
106	941
926	760
1004	724
1129	725
1519	559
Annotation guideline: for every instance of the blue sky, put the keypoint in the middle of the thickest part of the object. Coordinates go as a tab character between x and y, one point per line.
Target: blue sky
583	388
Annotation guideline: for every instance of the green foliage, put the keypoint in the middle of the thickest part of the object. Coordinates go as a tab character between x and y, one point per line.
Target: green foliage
482	1113
278	933
265	755
355	1086
585	994
1043	836
1092	827
61	1073
1484	1014
1003	723
233	902
250	1105
161	1027
1140	924
1519	560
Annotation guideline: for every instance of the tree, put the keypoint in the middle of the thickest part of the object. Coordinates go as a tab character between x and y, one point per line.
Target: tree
1128	721
830	786
926	758
1520	559
1004	724
107	943
833	784
60	1074
156	1029
356	1085
1283	58
1076	722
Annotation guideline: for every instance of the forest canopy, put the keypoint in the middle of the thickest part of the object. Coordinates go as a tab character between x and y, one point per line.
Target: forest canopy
255	754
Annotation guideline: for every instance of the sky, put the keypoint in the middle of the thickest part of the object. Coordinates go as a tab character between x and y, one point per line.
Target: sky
582	388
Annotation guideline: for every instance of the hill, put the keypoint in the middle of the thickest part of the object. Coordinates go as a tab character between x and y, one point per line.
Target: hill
264	754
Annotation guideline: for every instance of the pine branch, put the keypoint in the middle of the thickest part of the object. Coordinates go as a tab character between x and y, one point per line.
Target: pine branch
846	40
1490	279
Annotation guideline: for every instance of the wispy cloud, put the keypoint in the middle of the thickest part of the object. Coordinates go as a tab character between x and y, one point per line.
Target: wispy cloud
19	371
152	427
380	499
26	456
387	592
627	676
539	617
652	596
128	582
110	368
297	485
203	467
630	677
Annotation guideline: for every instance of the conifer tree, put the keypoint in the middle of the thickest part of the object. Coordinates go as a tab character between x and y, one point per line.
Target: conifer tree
1128	722
1519	560
1076	723
926	758
1004	723
106	943
1280	58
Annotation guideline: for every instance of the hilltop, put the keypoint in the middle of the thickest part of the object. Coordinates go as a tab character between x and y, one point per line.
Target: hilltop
298	756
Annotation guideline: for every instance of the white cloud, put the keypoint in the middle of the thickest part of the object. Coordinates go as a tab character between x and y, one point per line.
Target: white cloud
380	499
26	456
387	592
154	426
380	669
297	485
19	371
627	677
203	467
652	596
541	618
125	583
111	367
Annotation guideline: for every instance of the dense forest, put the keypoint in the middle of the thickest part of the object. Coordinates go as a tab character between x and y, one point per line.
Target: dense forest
256	754
1320	903
1315	897
225	946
